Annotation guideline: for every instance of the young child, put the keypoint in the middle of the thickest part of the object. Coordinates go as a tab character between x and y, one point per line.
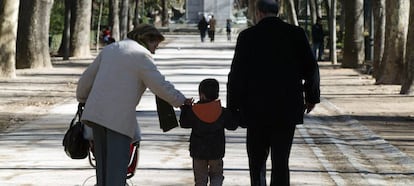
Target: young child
207	119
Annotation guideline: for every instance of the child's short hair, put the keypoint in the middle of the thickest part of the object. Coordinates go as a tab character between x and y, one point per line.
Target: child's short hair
210	88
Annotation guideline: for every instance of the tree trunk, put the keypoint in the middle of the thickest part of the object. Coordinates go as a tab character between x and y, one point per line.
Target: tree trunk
135	22
291	13
98	27
341	22
9	11
114	19
354	30
81	35
318	7
312	5
131	5
164	13
123	20
250	12
33	37
408	75
329	8
64	48
378	10
391	66
332	32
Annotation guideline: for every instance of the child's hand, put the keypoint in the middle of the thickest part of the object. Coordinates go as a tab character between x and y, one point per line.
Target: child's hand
189	101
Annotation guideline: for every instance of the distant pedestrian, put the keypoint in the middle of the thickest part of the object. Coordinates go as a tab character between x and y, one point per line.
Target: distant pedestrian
228	29
271	116
212	28
208	121
107	36
202	27
317	39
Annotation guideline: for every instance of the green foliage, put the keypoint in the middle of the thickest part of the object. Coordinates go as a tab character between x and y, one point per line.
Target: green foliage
57	18
145	19
105	14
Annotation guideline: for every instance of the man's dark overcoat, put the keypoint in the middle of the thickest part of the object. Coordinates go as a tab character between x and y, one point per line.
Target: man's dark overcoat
272	73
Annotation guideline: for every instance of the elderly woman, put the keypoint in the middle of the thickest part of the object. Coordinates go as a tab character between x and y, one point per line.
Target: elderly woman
111	88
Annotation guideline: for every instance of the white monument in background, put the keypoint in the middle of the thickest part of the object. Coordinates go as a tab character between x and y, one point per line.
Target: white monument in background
221	9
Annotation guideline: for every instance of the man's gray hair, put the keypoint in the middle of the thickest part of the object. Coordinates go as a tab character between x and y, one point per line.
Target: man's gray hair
268	6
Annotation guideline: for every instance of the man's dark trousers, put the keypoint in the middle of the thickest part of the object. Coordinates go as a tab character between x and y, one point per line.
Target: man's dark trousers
276	138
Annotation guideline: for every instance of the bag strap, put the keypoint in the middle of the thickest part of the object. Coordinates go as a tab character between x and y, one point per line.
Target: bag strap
78	114
80	110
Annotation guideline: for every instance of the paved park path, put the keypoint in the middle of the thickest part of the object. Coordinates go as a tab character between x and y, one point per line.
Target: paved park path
333	147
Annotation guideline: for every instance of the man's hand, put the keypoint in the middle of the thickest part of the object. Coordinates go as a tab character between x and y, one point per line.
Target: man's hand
309	107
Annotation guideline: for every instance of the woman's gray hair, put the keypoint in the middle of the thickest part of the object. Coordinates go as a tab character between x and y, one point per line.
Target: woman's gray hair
268	6
144	33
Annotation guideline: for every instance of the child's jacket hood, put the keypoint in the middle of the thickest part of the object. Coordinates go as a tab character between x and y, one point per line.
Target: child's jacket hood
208	112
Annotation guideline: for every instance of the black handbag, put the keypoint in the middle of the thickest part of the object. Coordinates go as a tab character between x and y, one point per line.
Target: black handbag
166	115
75	145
